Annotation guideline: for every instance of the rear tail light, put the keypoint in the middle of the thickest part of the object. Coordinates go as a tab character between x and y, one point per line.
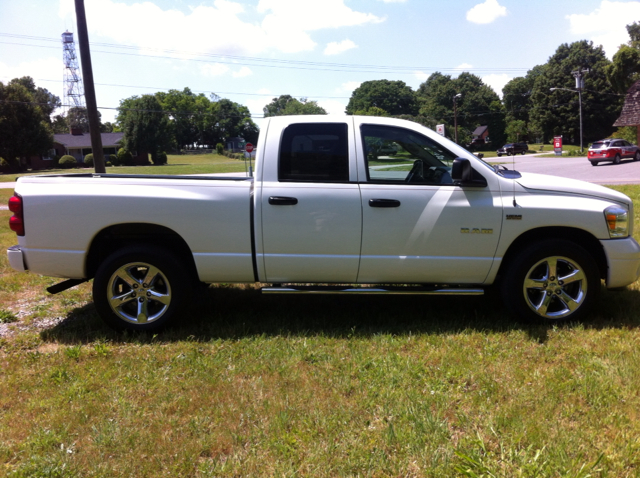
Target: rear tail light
16	223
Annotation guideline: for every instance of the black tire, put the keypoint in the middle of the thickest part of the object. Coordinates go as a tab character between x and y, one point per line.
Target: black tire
636	157
523	153
594	163
508	153
616	160
535	289
499	155
152	285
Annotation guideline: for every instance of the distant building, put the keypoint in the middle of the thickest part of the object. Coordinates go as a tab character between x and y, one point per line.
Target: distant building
630	115
481	132
78	145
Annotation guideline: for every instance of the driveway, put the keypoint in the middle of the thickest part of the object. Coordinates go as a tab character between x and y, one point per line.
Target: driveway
574	167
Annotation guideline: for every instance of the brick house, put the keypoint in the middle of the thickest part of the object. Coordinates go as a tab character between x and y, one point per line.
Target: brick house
630	115
78	145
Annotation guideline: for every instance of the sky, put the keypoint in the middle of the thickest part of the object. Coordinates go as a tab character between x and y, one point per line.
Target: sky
252	51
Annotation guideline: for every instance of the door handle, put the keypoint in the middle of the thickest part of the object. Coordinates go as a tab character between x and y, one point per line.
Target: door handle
384	203
282	201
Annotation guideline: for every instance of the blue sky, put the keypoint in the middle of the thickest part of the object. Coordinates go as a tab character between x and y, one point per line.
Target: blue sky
251	51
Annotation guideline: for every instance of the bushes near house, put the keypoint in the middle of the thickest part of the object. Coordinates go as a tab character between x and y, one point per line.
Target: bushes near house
220	148
67	162
159	158
88	160
124	158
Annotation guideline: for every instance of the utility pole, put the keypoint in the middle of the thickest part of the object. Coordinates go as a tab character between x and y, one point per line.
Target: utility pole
455	115
579	76
89	89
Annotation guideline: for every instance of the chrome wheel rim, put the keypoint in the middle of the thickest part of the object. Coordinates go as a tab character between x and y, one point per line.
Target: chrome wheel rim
139	293
555	287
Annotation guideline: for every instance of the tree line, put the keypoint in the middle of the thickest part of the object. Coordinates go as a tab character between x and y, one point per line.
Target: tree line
529	109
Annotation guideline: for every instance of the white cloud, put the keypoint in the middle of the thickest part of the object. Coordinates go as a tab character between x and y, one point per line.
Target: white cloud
40	70
486	12
394	1
285	25
463	67
421	75
497	82
606	25
334	107
242	72
214	69
348	87
335	48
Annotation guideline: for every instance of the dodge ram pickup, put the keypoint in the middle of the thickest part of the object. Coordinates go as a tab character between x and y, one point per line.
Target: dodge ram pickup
383	205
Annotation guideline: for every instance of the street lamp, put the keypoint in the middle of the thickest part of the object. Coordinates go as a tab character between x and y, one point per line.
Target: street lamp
579	76
455	115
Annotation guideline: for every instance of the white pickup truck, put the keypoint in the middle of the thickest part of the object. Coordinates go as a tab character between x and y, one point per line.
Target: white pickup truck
348	204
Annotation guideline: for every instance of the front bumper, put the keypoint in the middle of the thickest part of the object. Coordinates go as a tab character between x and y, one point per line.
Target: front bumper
16	258
623	258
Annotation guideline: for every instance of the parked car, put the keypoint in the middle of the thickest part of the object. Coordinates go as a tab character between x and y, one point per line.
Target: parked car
513	148
612	150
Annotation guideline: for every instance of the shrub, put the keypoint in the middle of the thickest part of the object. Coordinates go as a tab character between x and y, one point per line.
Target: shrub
219	148
159	158
108	165
112	159
67	162
124	157
88	160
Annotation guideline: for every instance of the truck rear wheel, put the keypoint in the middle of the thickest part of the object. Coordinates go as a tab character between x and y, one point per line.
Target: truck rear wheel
550	281
140	288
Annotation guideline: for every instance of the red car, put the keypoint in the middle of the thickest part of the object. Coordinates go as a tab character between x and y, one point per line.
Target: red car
612	150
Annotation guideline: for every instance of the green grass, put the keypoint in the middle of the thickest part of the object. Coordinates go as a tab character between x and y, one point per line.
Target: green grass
176	165
252	385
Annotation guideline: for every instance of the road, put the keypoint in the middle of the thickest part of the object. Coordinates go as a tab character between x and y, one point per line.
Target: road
574	167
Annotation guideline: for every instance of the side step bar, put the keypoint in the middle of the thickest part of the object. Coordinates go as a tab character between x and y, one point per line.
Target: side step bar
371	291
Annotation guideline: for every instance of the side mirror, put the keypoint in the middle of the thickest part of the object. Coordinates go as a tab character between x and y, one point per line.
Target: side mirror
463	174
461	170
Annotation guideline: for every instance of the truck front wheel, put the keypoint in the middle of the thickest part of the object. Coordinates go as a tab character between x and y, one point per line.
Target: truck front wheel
140	288
550	281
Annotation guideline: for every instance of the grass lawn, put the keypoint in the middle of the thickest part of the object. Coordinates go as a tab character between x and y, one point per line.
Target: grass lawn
176	165
252	385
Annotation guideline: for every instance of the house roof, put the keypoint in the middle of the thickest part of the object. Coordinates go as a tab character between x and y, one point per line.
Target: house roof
630	115
109	140
479	131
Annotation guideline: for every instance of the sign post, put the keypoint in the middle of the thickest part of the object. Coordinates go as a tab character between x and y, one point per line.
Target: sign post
248	148
557	145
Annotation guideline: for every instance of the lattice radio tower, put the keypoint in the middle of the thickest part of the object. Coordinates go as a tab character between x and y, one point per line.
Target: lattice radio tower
73	90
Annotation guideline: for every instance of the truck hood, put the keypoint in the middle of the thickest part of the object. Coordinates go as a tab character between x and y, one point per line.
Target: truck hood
545	182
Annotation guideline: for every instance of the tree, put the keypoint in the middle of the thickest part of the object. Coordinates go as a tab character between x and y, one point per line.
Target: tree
287	105
557	112
394	97
624	70
25	128
478	105
146	127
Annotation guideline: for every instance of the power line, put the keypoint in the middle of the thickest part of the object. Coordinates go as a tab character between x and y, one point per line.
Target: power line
258	61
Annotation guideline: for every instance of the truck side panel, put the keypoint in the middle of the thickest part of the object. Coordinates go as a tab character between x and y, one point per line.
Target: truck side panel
63	216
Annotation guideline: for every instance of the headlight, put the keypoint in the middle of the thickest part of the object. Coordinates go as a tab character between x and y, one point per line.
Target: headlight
617	221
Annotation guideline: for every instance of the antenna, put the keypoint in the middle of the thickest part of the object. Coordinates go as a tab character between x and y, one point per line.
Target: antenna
73	91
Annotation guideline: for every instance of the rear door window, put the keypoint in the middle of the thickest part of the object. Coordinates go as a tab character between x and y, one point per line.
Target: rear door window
316	152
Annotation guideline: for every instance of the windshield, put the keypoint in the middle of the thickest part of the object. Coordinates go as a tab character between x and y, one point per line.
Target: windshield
600	144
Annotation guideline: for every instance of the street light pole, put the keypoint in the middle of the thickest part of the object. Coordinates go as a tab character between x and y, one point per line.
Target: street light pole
579	76
455	115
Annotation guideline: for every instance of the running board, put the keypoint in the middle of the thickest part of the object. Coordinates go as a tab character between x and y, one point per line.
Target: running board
371	290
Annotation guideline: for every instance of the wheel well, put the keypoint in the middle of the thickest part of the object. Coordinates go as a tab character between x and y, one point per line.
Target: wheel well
580	237
115	237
